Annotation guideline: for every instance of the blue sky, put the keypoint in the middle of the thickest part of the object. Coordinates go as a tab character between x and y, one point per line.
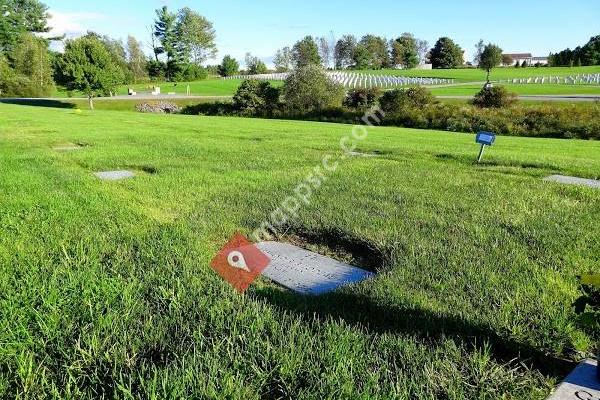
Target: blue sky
261	27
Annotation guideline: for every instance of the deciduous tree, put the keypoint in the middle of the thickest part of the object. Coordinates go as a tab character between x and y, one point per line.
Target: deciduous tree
306	52
87	66
446	54
378	50
136	60
30	59
283	59
229	66
195	36
344	52
490	58
405	52
254	65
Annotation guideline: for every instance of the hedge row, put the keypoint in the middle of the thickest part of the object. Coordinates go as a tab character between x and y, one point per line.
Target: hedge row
518	120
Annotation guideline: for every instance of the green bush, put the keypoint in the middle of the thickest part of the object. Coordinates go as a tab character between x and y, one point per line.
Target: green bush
308	90
582	122
254	98
190	73
400	99
494	97
362	98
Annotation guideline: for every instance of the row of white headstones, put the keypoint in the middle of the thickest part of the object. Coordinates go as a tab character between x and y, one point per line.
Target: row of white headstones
357	80
585	79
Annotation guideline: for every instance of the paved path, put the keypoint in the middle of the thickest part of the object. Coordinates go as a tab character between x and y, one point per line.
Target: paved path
540	97
142	97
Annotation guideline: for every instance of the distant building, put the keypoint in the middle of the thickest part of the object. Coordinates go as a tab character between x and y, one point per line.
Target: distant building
527	57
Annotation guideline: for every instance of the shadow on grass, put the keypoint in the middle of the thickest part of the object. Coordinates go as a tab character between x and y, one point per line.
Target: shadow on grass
343	245
363	312
471	160
38	103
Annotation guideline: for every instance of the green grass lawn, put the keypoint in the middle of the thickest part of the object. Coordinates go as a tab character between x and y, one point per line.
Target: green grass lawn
524	89
108	104
223	87
478	75
208	87
106	290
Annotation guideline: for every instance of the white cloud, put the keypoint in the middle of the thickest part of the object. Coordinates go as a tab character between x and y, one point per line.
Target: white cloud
71	24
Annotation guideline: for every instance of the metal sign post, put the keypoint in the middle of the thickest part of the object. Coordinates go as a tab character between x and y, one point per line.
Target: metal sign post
484	139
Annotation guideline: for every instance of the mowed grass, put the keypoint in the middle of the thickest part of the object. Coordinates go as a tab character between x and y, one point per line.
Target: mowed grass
523	90
228	87
106	290
208	87
128	104
479	75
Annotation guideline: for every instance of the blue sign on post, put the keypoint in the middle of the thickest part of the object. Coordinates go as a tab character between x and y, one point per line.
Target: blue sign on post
484	139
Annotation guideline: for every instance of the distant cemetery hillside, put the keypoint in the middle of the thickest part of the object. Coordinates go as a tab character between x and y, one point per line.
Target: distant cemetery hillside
183	41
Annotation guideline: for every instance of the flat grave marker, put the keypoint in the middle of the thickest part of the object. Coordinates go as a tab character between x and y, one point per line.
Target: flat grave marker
114	175
572	180
581	384
306	272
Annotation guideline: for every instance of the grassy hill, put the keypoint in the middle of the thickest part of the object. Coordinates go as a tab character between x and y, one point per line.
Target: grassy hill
528	90
221	87
106	289
478	75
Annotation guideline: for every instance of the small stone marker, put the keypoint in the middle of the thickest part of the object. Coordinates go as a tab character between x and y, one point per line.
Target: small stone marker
114	175
582	384
306	272
572	180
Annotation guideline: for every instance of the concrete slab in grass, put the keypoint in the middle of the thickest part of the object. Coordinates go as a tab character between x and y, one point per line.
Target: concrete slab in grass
572	180
114	175
306	272
582	384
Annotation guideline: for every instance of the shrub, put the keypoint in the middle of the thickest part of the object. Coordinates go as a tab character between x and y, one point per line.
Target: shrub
214	109
494	97
400	99
581	122
191	72
254	98
362	98
308	90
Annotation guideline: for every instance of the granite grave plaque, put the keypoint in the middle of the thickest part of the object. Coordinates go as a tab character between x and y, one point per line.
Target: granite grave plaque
306	272
114	175
581	384
571	180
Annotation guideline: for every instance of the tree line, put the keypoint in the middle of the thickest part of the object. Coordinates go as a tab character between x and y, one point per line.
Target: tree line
588	54
370	52
96	65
